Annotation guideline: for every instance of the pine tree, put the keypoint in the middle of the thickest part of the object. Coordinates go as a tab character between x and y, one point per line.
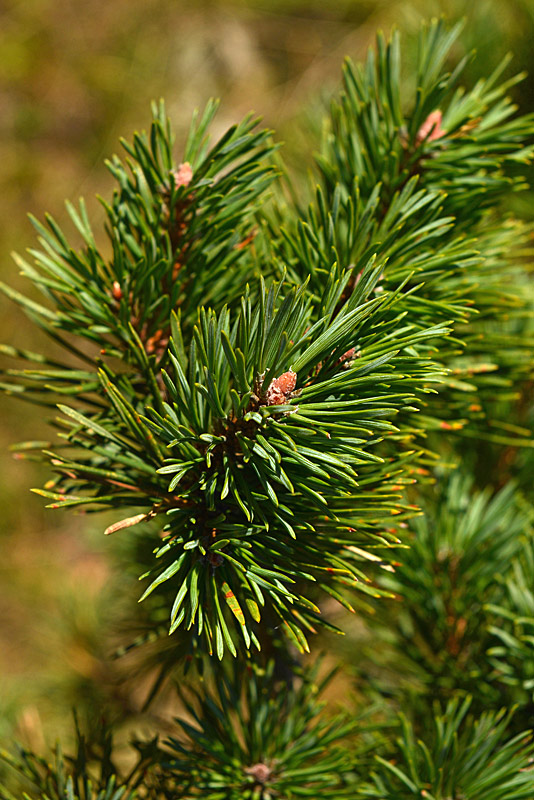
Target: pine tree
295	399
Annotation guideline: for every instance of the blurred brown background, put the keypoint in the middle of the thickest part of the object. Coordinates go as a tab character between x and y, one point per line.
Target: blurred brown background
74	76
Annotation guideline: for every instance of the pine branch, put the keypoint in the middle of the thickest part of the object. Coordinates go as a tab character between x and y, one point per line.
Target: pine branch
249	738
449	589
87	775
463	757
416	183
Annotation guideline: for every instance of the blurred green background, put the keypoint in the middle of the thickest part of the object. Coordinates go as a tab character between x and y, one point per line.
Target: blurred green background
74	76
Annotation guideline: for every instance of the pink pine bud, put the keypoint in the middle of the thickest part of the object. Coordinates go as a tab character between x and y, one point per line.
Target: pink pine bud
260	772
116	290
183	175
280	388
431	128
347	359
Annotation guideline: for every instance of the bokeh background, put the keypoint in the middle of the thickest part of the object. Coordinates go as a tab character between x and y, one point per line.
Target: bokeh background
75	76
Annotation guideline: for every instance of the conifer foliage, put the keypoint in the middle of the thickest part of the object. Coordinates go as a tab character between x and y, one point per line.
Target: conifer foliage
267	393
